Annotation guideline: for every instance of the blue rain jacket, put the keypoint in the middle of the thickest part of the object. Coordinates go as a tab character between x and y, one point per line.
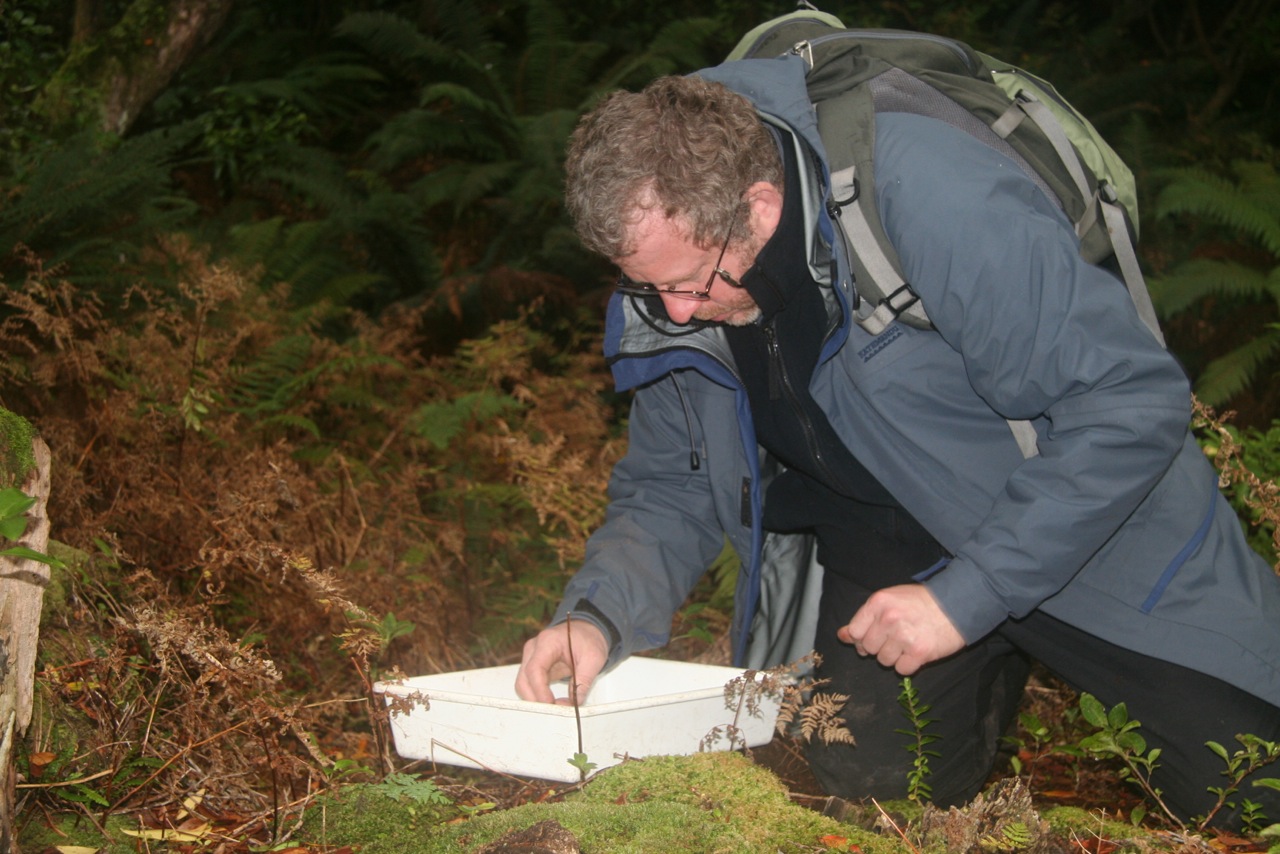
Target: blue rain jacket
1117	525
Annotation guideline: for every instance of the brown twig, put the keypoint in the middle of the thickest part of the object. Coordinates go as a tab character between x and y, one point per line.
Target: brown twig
894	825
172	759
573	689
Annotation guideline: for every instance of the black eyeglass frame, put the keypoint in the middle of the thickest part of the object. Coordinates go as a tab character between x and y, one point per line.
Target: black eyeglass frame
627	287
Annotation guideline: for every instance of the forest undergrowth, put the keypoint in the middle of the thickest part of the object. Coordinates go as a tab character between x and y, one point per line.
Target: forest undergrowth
264	510
261	520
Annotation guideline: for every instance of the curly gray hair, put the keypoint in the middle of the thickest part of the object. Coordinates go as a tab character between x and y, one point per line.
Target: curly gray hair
687	145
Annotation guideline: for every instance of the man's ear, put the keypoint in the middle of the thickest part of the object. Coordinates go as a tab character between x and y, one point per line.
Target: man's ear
765	201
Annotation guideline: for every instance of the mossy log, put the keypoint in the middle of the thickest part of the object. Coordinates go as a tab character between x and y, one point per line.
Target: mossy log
22	585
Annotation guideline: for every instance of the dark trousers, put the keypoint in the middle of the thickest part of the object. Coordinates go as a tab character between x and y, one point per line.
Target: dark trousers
974	696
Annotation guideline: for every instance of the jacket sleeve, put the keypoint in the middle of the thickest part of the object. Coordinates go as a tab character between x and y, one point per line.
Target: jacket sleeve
660	532
1042	336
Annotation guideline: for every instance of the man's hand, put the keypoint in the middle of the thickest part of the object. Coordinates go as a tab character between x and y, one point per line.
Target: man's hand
903	627
546	660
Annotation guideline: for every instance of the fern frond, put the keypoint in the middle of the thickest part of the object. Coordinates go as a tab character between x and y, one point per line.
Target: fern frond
685	42
270	383
680	46
396	40
1228	375
495	115
553	67
419	133
253	241
289	421
462	184
330	85
463	52
552	74
820	717
1247	205
1199	278
79	192
314	174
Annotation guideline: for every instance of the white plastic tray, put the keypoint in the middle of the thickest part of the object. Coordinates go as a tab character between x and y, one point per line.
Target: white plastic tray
643	707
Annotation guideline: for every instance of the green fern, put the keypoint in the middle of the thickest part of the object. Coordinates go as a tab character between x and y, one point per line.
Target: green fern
1249	209
366	245
1232	373
493	116
90	205
1200	278
1249	205
274	391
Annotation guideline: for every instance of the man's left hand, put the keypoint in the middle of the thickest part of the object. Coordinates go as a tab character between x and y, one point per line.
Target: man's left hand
903	627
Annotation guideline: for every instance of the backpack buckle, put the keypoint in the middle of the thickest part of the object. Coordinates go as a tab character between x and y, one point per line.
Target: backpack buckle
804	50
901	299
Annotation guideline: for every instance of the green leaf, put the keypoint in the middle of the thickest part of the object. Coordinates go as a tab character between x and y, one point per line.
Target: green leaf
32	554
14	502
400	785
1118	716
13	527
1100	743
81	794
1093	710
1132	742
582	763
1219	750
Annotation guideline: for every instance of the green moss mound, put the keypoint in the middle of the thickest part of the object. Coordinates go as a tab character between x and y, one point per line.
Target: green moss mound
710	802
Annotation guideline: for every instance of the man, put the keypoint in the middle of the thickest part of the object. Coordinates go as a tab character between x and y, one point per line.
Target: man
764	416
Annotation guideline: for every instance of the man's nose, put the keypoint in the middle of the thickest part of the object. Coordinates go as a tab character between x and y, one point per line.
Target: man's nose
679	309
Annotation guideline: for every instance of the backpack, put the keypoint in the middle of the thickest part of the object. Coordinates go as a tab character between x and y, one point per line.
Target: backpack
853	73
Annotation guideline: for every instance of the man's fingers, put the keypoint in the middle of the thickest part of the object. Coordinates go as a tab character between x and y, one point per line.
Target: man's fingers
907	665
533	681
899	627
580	691
546	660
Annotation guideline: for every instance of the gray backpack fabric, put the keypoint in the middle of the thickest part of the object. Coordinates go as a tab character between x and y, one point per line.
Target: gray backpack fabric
854	73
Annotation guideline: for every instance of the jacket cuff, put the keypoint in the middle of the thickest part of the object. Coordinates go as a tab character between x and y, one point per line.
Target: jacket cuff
961	591
586	610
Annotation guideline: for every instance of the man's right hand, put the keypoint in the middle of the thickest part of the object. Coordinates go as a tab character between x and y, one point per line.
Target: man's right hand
546	660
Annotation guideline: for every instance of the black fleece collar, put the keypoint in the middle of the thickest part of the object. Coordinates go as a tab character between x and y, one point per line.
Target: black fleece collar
781	270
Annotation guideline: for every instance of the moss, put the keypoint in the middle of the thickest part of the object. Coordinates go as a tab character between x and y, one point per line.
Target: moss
648	828
57	592
44	831
1075	822
731	788
722	800
373	817
710	802
16	456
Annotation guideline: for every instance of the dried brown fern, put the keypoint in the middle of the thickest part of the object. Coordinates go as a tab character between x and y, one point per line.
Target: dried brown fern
800	700
1261	496
245	473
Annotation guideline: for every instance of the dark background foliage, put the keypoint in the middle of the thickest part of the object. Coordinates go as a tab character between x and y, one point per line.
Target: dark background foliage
375	152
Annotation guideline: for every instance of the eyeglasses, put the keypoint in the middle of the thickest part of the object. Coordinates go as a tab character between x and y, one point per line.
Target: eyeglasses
626	286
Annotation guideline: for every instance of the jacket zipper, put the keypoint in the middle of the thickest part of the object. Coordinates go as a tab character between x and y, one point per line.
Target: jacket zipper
780	382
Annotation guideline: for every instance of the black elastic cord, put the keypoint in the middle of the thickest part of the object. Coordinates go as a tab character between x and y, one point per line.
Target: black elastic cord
695	462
